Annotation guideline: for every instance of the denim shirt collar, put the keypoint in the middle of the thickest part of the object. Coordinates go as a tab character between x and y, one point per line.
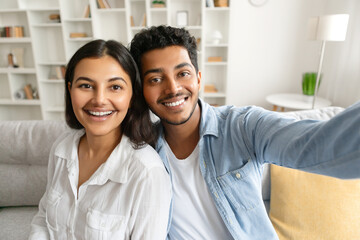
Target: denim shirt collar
208	121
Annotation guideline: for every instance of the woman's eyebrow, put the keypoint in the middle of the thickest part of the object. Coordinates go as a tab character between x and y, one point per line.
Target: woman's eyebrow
110	80
116	79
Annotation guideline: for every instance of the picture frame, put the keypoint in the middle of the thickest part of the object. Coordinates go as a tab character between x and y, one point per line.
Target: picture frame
182	18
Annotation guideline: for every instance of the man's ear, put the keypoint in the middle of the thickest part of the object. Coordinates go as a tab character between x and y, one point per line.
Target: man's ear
199	78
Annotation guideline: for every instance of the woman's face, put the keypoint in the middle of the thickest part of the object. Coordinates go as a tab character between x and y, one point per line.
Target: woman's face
100	93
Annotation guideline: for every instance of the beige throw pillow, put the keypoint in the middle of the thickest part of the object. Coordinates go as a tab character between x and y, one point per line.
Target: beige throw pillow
307	206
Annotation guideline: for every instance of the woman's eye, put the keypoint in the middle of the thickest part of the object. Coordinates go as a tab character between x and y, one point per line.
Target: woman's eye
85	86
116	87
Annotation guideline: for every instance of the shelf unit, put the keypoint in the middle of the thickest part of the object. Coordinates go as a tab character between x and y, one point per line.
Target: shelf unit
47	45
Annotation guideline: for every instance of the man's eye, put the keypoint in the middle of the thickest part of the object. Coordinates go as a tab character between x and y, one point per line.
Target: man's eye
184	74
155	80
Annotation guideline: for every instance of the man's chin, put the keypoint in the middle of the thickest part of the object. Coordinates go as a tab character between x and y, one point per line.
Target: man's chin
175	123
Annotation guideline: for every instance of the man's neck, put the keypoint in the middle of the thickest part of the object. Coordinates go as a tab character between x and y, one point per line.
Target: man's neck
183	138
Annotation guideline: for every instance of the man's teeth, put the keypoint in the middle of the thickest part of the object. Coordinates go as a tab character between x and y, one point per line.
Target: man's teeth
100	113
173	104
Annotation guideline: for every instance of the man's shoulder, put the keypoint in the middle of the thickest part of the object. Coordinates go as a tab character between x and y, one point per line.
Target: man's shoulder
230	112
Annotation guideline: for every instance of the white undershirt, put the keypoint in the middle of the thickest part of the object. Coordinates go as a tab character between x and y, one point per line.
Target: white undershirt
194	213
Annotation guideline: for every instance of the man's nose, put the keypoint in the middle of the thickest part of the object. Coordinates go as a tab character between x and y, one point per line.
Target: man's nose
172	86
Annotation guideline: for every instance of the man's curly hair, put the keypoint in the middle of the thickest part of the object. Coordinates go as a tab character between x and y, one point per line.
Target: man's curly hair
160	37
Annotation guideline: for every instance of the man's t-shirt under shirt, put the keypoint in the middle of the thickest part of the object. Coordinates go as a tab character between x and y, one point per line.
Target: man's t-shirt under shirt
194	213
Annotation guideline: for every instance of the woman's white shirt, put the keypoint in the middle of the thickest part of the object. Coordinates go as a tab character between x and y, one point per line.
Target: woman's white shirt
128	197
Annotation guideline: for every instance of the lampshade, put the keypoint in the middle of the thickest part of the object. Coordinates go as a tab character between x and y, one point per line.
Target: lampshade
328	27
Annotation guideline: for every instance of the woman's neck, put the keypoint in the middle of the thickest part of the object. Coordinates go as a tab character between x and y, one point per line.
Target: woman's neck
94	151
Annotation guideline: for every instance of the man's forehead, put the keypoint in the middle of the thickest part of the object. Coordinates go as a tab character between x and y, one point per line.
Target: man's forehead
156	58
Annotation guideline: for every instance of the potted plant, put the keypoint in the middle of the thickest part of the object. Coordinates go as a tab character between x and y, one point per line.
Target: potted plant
308	84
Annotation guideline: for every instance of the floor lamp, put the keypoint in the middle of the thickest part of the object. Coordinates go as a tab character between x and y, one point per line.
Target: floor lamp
326	28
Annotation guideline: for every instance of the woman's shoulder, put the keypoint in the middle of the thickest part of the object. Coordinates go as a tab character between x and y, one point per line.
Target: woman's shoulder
147	156
66	141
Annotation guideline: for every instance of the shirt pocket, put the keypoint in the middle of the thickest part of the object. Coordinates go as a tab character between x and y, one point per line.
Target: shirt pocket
53	199
103	226
242	187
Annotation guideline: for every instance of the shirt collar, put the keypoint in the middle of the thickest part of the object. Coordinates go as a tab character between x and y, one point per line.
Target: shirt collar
208	121
116	166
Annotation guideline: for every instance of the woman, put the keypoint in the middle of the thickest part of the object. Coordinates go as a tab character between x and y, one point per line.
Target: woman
104	181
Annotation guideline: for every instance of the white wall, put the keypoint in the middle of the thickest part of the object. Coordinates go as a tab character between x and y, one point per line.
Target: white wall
270	51
342	66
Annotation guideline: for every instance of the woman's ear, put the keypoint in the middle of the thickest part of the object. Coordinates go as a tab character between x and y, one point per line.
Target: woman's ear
69	86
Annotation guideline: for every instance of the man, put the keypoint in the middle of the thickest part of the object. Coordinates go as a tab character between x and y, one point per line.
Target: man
215	155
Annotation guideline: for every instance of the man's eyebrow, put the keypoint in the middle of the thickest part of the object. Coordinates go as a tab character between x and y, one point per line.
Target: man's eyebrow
154	70
185	64
159	70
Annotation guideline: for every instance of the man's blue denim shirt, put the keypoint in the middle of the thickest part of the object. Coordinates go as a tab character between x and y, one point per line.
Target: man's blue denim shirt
236	142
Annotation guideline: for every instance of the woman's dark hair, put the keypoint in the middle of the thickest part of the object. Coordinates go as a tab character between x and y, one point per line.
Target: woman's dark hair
136	124
160	37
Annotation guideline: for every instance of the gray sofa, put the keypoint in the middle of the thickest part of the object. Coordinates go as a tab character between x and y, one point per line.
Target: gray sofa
24	150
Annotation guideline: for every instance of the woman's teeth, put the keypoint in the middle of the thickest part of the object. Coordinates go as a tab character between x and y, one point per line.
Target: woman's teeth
100	113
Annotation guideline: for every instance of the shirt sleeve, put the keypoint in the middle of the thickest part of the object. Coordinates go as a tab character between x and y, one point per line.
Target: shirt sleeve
152	204
39	230
325	147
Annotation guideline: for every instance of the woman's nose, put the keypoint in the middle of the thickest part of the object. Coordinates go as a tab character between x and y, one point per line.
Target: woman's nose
100	96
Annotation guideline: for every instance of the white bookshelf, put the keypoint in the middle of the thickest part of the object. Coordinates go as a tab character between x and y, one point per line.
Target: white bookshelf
47	45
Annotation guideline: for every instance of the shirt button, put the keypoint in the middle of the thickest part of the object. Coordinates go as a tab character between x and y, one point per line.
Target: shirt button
238	175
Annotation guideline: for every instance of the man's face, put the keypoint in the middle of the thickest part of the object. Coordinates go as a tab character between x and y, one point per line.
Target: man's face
171	84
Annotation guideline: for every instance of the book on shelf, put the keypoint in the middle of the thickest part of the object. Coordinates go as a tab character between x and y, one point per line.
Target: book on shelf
132	23
210	88
221	3
9	31
28	91
60	72
55	17
2	32
57	73
143	21
18	31
77	35
106	3
103	4
86	13
214	59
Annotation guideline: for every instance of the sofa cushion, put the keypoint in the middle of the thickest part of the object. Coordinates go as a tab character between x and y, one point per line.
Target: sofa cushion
310	206
18	218
24	153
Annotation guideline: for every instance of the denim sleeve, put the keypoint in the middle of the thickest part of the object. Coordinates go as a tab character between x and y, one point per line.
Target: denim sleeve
325	147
